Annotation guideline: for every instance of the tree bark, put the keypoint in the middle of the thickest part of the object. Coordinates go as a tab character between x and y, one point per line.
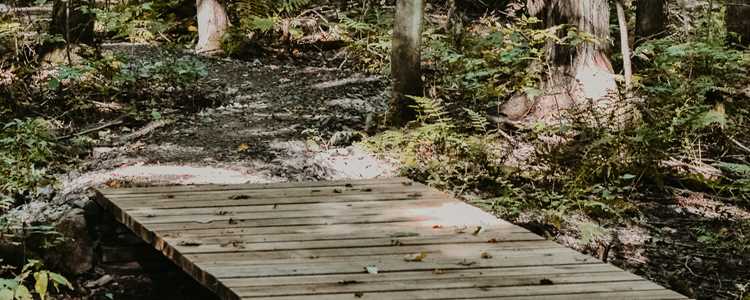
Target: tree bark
580	77
406	61
212	24
738	21
627	65
71	22
651	20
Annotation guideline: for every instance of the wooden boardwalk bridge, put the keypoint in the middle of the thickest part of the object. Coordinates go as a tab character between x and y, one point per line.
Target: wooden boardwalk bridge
371	239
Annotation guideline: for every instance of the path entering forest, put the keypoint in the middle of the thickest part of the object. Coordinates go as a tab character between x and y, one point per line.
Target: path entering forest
273	121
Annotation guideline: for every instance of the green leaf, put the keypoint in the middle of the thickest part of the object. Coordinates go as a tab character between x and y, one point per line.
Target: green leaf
40	285
156	115
22	293
53	84
739	169
709	118
60	280
6	294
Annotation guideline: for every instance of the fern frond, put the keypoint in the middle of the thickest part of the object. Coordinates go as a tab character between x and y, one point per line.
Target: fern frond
430	110
265	8
478	121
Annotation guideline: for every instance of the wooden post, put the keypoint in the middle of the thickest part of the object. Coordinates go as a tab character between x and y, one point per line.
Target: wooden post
406	61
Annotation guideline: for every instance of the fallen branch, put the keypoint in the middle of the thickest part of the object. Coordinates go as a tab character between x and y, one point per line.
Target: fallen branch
151	126
738	144
90	130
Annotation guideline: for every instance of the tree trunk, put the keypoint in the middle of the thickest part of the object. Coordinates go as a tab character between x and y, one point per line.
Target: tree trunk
738	21
212	24
627	65
71	22
580	77
650	20
406	61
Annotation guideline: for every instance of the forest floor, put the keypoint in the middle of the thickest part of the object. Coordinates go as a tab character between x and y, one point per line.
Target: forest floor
275	121
294	121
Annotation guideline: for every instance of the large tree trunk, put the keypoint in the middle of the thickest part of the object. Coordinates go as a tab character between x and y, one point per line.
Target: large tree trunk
406	60
651	19
212	24
580	78
738	21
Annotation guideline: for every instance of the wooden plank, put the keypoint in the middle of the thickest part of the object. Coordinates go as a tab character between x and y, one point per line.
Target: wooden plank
249	196
489	279
258	186
306	254
398	196
339	231
390	264
491	292
275	207
470	252
239	246
218	216
271	200
357	234
365	278
618	295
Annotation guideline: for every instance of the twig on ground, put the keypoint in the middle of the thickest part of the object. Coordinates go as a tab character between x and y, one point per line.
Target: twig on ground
740	145
90	130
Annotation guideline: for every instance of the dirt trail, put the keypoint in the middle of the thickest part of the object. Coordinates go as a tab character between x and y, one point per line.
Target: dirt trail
275	122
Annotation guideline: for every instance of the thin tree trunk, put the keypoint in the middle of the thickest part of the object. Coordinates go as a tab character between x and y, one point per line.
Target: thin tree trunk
406	60
651	20
212	24
71	22
627	66
738	21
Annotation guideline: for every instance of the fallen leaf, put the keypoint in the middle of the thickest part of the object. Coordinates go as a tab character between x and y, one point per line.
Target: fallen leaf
232	221
239	197
189	243
372	269
486	255
477	230
243	147
417	257
236	243
337	191
436	226
396	243
359	294
546	281
492	241
348	185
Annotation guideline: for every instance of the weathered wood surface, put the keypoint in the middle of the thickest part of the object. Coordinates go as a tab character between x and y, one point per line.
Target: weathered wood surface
315	240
